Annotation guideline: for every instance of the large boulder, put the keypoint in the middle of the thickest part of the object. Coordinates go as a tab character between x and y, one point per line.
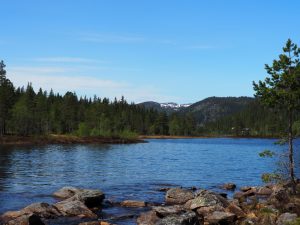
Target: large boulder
178	196
206	198
148	218
70	207
66	192
187	218
264	191
235	209
91	198
26	219
285	218
219	217
163	211
32	212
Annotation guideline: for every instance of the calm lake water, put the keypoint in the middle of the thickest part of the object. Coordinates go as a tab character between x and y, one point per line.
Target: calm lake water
136	171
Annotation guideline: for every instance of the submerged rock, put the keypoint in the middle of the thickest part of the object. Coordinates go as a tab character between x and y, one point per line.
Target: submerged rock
134	204
229	186
96	223
178	196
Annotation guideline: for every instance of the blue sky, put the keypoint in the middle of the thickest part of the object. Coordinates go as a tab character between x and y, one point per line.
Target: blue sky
160	50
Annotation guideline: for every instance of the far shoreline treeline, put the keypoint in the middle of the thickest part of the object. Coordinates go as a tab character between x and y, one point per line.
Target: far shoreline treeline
23	112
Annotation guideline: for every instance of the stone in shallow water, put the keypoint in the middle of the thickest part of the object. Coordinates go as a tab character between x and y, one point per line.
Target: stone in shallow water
66	192
187	218
148	218
91	198
229	186
206	198
70	207
178	196
42	210
95	223
163	211
134	204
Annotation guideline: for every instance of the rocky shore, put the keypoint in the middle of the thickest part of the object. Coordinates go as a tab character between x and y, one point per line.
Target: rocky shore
64	139
271	204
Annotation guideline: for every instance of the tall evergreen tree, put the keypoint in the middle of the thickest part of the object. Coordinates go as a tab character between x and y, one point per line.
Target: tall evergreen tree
6	99
282	90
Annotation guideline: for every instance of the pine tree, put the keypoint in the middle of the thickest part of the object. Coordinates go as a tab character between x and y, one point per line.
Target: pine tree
282	90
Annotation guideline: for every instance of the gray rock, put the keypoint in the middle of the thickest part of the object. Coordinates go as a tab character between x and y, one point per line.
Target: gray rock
66	192
27	219
187	218
178	196
229	186
264	191
91	198
148	218
218	217
205	199
43	210
70	207
163	211
284	218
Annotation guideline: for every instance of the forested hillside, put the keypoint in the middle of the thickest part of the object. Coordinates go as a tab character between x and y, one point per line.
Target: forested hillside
25	112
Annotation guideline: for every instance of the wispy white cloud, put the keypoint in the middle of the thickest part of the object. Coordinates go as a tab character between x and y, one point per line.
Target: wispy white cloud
134	39
60	80
42	70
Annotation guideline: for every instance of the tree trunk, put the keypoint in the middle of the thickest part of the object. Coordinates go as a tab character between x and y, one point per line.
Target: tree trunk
291	153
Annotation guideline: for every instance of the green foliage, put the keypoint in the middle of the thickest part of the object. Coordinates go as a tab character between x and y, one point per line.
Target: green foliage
127	134
266	153
296	128
294	222
281	90
83	130
271	177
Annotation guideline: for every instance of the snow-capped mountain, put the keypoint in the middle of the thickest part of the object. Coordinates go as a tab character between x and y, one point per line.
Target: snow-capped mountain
168	107
173	105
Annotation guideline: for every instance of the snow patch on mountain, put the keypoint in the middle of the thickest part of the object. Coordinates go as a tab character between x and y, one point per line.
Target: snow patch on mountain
173	105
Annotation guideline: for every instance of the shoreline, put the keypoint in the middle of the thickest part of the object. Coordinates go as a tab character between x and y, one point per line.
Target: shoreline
65	139
72	139
203	137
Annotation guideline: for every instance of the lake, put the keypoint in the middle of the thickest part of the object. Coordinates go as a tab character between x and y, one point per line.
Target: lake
32	173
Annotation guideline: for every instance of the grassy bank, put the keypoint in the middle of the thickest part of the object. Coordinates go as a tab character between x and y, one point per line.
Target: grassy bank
204	136
65	139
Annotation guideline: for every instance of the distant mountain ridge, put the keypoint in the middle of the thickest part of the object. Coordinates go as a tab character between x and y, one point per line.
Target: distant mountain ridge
168	107
207	110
